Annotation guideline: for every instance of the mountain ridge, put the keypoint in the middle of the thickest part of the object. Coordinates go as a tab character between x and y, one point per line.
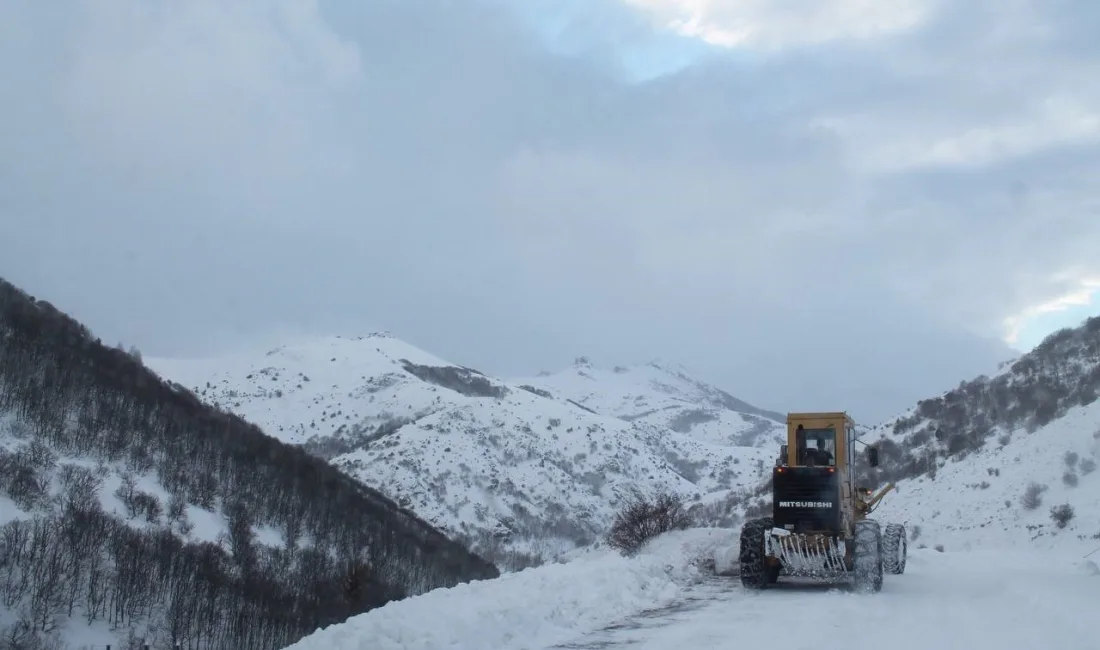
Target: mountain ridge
509	466
662	394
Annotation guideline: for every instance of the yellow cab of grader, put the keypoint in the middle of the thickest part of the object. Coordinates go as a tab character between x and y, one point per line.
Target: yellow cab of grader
819	527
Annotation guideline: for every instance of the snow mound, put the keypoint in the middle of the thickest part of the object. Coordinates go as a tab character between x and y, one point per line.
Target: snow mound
536	607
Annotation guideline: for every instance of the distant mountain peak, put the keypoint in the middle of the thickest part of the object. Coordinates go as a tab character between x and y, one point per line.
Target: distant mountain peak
663	393
669	366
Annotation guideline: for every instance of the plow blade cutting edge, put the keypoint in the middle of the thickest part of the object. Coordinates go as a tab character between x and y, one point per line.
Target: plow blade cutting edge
807	556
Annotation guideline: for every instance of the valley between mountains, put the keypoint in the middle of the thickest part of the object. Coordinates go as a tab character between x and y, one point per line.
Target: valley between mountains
530	469
341	483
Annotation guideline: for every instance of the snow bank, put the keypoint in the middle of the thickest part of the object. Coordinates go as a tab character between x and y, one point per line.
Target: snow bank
536	607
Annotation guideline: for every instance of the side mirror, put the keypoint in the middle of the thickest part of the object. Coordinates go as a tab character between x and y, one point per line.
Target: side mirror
783	454
872	456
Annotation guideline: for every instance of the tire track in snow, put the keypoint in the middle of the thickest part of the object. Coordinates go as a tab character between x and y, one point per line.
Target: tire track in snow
1008	601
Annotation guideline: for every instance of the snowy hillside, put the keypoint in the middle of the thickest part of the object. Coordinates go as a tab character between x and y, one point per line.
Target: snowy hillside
129	507
665	395
1059	375
508	466
132	505
966	461
1012	494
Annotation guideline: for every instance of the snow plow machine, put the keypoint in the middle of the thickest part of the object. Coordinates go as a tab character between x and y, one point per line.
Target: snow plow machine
819	526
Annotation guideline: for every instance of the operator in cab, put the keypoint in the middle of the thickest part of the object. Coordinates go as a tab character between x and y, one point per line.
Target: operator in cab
821	455
813	457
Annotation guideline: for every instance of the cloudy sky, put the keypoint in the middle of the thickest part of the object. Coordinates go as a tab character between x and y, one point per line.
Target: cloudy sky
758	189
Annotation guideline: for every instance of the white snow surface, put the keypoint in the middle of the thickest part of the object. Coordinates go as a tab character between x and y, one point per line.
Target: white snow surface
996	599
985	600
667	395
489	458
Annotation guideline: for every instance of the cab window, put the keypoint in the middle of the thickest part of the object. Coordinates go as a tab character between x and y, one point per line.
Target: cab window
816	446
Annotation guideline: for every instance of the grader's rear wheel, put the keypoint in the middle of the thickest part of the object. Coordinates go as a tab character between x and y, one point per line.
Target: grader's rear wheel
895	549
867	556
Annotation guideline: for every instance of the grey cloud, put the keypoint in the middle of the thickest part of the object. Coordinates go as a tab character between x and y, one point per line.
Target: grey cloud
188	183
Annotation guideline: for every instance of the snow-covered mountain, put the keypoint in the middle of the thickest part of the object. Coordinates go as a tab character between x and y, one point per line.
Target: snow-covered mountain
508	466
666	395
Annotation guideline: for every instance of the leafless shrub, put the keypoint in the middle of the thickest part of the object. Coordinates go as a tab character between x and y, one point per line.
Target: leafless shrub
642	519
1033	496
1062	514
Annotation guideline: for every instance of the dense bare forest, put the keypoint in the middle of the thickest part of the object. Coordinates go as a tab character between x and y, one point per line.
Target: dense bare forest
75	413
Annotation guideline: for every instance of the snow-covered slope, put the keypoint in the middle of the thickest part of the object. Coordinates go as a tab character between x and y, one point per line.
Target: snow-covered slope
965	460
120	491
507	466
1011	494
666	395
130	498
128	506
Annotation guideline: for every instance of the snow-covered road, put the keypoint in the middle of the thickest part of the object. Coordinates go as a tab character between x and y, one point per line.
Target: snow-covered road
663	599
999	600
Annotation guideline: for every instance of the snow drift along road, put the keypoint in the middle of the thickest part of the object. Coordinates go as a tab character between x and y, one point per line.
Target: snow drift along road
534	608
996	599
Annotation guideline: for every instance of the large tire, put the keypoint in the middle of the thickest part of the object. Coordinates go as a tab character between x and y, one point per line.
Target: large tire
755	573
895	549
867	556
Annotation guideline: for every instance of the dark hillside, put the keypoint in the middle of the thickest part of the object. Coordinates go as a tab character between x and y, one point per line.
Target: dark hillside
71	409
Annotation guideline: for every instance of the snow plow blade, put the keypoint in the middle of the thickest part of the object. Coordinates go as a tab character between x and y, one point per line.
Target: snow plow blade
807	556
